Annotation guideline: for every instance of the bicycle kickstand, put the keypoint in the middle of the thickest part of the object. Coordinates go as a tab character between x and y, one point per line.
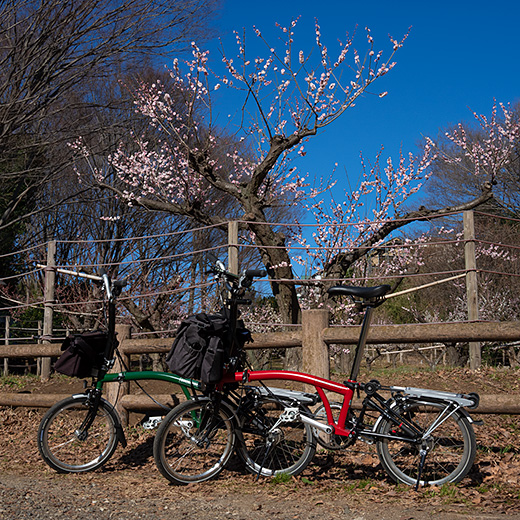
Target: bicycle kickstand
423	454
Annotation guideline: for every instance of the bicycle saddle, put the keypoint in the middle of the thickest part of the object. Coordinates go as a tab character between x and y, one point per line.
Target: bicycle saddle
366	293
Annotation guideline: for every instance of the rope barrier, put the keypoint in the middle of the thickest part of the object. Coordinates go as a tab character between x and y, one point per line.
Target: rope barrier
144	237
133	264
500	217
419	287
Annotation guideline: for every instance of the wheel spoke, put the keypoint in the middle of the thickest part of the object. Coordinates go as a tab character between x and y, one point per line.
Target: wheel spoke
66	452
185	456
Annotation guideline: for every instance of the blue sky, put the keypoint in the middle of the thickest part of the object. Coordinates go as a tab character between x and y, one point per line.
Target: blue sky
460	55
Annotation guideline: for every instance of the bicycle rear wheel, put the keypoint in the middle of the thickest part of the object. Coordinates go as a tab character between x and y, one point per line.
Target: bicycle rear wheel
448	445
67	450
268	448
194	441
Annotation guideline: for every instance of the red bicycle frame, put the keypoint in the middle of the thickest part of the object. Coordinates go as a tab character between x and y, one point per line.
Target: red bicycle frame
319	383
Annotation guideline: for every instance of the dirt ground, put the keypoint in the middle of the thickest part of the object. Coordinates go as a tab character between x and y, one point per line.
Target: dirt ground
337	485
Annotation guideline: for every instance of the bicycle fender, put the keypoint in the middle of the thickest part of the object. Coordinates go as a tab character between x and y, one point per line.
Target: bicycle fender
119	428
121	435
470	419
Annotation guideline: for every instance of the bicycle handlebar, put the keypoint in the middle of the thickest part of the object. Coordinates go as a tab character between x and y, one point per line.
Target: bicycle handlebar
255	273
112	287
235	282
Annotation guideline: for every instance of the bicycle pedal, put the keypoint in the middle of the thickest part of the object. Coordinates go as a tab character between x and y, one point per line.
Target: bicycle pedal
151	423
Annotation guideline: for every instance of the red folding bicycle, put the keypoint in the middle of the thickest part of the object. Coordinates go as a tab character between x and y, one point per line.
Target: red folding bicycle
422	437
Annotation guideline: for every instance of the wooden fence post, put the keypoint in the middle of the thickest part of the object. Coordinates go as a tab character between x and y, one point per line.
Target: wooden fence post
315	352
233	247
115	391
48	309
6	342
39	332
475	354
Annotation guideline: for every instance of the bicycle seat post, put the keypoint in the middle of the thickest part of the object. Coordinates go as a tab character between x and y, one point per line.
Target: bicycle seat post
360	348
368	298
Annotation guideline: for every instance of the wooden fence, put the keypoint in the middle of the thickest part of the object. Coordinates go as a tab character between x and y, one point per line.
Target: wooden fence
313	338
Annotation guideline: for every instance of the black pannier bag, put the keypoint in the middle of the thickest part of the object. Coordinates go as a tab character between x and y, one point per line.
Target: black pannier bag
202	347
82	354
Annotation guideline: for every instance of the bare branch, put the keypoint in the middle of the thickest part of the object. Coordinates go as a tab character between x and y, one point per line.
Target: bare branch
340	264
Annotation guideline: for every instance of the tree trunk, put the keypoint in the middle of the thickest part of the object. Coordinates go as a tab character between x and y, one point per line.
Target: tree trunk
277	261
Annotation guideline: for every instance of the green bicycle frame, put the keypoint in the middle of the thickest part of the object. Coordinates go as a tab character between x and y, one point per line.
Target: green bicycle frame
185	384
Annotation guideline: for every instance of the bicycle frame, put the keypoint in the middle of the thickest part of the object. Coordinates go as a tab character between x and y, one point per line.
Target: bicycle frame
319	383
103	375
121	377
368	299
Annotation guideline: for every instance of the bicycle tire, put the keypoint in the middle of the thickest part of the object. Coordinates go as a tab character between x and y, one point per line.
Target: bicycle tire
61	447
450	448
193	444
287	449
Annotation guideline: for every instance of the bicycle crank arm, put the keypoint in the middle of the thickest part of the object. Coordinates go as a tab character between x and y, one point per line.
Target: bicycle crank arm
293	414
327	428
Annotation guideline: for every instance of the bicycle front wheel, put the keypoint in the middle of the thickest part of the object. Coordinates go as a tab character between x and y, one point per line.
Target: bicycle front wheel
65	448
447	449
269	446
194	441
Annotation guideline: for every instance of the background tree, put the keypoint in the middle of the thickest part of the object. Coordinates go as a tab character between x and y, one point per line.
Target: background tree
61	67
454	178
292	97
51	53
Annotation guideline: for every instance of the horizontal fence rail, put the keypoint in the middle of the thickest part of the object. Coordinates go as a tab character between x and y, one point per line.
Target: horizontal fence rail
344	335
489	404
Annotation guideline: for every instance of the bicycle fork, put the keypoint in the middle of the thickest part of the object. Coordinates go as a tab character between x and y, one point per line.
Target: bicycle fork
93	403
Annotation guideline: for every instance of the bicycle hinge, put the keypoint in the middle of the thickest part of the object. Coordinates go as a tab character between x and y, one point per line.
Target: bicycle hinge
290	415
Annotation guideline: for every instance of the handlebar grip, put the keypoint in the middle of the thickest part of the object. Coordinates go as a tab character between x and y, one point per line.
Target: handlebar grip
256	273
